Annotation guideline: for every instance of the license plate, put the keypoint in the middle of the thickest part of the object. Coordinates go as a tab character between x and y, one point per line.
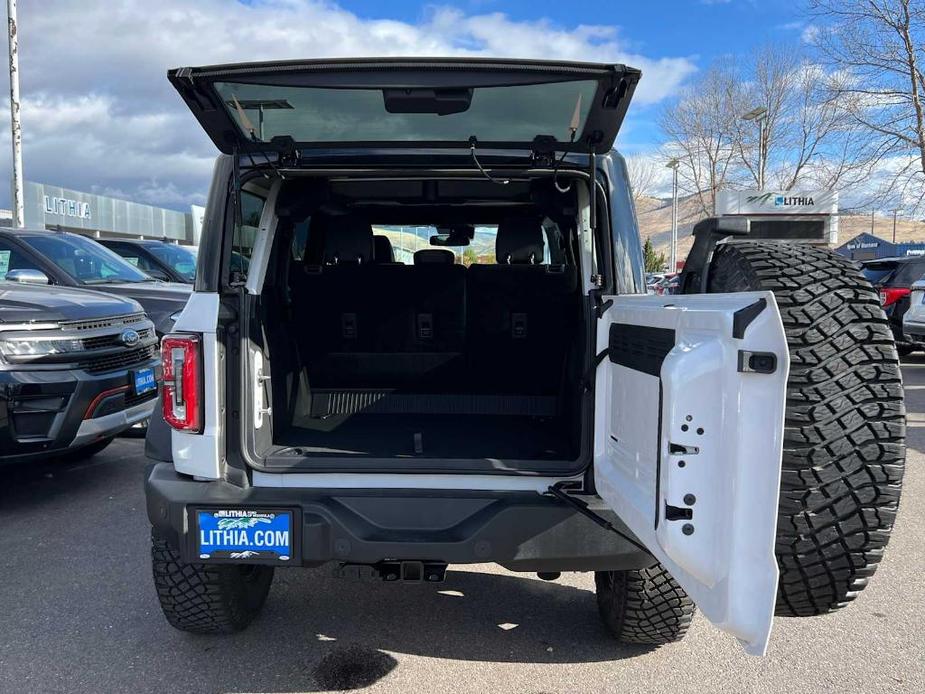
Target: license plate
144	381
244	535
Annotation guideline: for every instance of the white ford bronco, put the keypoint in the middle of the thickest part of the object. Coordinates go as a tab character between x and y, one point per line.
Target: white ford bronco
420	336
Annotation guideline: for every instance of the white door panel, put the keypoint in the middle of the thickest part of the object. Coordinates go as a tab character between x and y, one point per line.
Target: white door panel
688	444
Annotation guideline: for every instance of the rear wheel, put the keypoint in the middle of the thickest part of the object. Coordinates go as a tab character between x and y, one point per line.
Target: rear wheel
646	606
844	435
207	598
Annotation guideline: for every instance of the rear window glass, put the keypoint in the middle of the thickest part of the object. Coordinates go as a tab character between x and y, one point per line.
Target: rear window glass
879	273
909	272
405	240
494	114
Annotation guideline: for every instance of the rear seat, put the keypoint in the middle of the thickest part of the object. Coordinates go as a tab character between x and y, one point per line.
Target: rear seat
379	324
433	326
521	314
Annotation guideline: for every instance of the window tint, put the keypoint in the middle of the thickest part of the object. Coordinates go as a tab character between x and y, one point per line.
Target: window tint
84	259
406	240
131	255
512	113
909	272
12	259
879	273
179	258
245	235
300	239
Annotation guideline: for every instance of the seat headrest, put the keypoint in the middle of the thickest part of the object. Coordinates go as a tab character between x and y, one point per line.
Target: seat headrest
347	239
382	249
520	241
434	256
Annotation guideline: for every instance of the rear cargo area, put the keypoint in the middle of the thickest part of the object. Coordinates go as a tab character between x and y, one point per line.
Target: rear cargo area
372	358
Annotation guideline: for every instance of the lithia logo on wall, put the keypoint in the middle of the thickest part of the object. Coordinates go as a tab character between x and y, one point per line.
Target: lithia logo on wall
782	200
67	207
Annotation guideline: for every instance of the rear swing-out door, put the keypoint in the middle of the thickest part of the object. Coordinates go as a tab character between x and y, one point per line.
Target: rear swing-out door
688	438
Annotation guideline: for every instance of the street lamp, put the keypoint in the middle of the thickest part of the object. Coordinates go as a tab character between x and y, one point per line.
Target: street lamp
673	247
760	115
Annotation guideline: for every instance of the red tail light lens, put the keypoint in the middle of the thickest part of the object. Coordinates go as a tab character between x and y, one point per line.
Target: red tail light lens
182	394
891	295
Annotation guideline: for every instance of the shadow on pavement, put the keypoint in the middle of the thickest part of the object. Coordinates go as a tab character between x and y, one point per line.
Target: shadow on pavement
344	632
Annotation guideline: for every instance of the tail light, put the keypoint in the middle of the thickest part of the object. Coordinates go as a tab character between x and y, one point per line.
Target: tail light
181	399
890	295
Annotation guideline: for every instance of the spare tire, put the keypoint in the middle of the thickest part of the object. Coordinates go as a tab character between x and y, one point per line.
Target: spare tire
844	434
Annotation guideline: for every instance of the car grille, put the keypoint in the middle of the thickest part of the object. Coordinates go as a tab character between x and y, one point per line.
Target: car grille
113	340
120	360
113	322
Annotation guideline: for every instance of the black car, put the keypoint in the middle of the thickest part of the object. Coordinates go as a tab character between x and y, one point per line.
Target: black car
893	277
71	260
162	260
76	368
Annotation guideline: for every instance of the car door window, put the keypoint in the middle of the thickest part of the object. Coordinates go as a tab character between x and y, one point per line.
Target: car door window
14	259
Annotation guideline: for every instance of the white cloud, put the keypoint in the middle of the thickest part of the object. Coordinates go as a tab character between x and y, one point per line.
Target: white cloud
98	111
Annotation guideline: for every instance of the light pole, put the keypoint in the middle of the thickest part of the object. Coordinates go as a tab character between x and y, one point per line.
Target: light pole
673	247
760	115
895	212
16	128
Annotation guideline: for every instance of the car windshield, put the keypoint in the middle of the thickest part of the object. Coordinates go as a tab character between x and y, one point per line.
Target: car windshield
84	259
179	258
499	114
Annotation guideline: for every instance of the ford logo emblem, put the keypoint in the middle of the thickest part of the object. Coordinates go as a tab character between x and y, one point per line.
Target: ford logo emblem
129	338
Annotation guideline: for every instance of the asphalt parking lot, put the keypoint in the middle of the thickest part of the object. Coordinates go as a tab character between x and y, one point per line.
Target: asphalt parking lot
78	614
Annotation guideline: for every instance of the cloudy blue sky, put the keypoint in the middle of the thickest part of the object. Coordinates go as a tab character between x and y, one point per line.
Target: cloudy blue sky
98	114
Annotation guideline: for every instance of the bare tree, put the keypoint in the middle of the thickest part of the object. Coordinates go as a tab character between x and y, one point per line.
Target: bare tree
807	138
644	175
877	48
701	132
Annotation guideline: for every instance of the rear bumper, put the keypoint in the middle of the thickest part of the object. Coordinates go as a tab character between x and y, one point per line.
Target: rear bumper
522	531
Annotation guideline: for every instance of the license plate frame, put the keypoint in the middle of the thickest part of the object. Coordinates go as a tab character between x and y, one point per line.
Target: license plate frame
144	380
202	520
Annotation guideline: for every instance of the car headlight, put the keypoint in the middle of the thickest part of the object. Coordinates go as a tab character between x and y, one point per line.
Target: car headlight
24	347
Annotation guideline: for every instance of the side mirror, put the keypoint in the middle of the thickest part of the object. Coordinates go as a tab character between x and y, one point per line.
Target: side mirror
27	277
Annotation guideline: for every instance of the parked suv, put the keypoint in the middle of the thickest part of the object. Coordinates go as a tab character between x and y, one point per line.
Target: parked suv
738	445
76	368
71	260
893	277
164	261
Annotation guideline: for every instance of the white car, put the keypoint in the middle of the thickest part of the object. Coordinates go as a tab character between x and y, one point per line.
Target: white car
914	318
325	403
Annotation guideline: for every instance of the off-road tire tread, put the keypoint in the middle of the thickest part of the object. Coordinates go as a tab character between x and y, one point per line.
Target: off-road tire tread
645	606
844	438
206	598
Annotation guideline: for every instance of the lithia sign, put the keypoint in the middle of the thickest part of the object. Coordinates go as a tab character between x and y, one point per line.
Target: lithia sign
67	207
777	202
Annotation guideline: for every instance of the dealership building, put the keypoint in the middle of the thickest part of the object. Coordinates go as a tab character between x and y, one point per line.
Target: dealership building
101	216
